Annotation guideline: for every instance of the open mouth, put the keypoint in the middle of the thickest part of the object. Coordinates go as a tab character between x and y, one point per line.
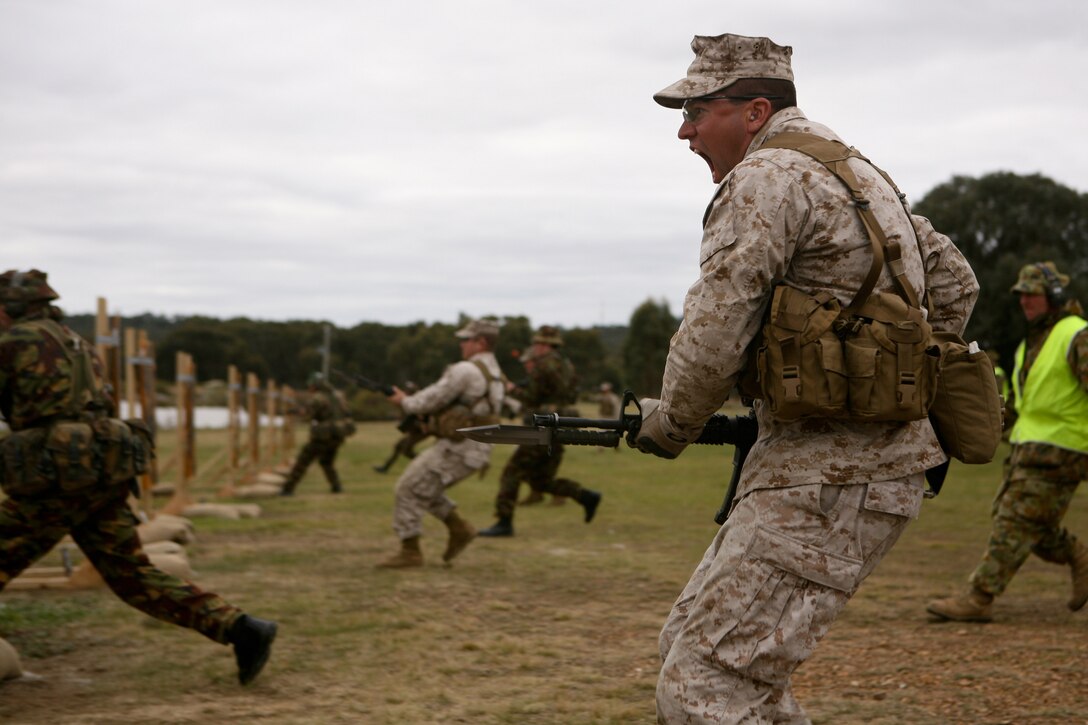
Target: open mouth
704	157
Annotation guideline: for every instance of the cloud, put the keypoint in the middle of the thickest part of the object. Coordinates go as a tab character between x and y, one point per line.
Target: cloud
398	162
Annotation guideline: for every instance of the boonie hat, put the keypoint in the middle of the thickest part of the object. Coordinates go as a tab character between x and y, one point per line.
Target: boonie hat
476	328
721	61
548	335
29	286
1033	280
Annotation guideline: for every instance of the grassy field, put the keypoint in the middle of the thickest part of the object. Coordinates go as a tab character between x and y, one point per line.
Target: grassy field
556	625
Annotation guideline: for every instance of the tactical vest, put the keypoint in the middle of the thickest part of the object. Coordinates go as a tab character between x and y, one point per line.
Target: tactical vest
866	362
446	422
1052	406
81	447
878	359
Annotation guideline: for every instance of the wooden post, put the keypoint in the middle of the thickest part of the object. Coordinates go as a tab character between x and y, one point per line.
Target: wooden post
271	400
107	346
116	358
130	371
253	390
136	399
234	397
186	381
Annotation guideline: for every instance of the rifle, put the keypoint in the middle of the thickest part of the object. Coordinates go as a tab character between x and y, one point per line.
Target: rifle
363	382
409	421
739	431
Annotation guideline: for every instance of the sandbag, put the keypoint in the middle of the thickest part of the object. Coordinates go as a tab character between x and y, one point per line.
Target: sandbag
248	510
166	527
10	665
258	490
163	547
176	564
211	510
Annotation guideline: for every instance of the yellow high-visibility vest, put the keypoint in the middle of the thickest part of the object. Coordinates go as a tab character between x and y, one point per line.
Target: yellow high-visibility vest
1052	407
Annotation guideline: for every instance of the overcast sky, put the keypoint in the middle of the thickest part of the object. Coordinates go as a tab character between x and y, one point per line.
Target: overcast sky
365	160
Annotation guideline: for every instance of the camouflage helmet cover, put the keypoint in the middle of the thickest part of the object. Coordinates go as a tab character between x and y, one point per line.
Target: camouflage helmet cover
30	286
478	328
548	335
722	60
1034	280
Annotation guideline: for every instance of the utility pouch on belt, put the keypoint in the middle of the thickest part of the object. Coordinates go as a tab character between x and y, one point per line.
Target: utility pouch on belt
71	445
125	448
891	371
800	361
444	423
27	469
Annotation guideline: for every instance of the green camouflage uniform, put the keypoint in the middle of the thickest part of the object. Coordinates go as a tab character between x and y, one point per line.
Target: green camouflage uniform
551	387
36	385
1038	486
325	412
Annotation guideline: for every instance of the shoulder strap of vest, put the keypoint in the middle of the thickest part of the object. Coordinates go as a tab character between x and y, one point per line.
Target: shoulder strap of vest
834	156
488	379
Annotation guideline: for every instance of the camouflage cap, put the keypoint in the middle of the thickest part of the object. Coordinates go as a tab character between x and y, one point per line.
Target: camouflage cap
721	61
1033	280
479	328
30	286
548	335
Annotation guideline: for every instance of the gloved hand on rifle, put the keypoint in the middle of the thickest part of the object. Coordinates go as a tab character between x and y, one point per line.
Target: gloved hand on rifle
659	434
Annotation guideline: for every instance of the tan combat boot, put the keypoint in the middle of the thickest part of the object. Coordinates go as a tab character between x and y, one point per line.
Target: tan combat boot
461	533
408	556
1079	563
974	606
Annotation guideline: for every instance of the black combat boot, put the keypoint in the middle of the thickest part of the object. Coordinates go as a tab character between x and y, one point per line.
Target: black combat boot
252	640
503	527
589	500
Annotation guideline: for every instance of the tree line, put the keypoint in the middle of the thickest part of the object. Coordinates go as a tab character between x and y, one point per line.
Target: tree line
1000	221
288	352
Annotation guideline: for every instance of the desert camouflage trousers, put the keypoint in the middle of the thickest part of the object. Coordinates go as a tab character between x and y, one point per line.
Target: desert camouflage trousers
105	529
537	466
767	590
421	489
1027	517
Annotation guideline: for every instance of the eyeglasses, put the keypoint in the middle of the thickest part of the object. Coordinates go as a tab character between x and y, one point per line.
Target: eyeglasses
691	115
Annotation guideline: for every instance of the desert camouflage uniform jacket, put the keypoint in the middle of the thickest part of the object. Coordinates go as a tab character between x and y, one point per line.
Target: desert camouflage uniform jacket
781	218
552	385
1046	460
462	382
